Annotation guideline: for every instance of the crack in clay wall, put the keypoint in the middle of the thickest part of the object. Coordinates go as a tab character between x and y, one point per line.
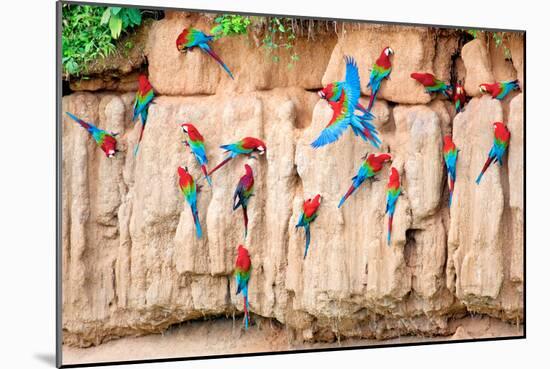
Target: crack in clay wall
131	262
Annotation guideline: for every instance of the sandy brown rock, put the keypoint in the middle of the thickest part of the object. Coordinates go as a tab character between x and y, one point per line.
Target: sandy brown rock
132	264
477	63
480	260
517	49
416	50
173	73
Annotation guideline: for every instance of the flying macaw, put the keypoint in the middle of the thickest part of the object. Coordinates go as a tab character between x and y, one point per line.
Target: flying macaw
450	154
246	146
243	193
190	38
196	144
459	97
500	144
432	84
371	165
343	98
144	97
380	70
499	90
309	214
393	191
189	190
105	140
243	268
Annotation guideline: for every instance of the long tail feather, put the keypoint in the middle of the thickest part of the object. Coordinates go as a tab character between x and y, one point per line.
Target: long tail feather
246	313
205	172
371	99
390	222
451	190
225	161
211	52
197	222
308	239
348	194
487	163
139	140
79	121
245	217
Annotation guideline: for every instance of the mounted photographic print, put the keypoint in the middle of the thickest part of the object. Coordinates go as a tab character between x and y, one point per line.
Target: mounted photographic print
237	184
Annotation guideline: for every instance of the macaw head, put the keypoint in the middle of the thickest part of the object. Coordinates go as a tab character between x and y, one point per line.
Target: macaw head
328	92
499	126
317	199
484	87
425	79
388	51
242	251
260	147
109	145
188	127
459	89
248	170
394	175
182	171
143	82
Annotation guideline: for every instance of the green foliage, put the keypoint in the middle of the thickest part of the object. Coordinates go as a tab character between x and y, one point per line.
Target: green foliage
120	19
472	32
89	33
230	25
278	33
498	38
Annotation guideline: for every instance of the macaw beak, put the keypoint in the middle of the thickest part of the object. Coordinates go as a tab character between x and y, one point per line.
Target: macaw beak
321	94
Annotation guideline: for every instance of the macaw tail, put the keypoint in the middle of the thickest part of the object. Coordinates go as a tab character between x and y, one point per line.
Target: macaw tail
451	190
390	222
487	163
205	172
446	90
348	194
206	48
79	121
225	161
246	313
245	217
373	94
197	222
139	140
308	239
457	106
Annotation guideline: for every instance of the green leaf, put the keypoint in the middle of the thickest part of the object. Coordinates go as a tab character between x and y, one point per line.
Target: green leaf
115	25
135	16
105	17
115	10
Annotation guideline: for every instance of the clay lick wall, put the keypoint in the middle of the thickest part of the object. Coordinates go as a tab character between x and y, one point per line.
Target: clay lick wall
132	264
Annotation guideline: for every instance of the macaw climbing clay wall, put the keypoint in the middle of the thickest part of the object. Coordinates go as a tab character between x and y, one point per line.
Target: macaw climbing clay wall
132	264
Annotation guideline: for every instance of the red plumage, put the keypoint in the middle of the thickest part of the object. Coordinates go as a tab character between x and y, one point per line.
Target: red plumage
243	259
501	132
193	132
311	205
384	59
426	79
185	177
252	143
143	84
182	39
377	161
